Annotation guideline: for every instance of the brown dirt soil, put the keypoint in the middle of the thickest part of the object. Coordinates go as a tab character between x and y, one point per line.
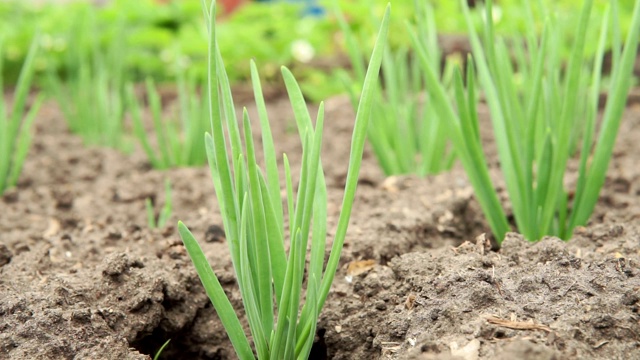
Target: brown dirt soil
82	277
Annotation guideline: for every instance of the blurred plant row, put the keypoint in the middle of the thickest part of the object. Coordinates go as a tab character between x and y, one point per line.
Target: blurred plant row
159	39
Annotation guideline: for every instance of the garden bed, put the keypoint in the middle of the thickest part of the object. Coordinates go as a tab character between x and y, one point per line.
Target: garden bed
82	276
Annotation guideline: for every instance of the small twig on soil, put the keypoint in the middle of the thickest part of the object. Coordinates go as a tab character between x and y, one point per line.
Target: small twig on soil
390	347
629	329
499	289
601	344
569	288
517	325
410	302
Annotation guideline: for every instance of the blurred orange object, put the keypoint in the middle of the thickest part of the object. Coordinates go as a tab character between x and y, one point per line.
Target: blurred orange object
230	5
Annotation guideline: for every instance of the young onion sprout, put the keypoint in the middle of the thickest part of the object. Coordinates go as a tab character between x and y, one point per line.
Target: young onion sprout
538	119
271	281
15	125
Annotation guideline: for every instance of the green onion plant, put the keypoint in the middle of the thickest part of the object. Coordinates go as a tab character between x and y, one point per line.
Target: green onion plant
178	142
539	108
15	125
159	352
165	213
273	282
90	90
406	134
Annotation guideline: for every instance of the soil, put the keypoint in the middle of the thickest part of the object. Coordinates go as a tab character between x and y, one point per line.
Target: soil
83	277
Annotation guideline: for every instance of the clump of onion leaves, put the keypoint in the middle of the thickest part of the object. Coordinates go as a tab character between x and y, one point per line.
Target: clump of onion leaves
541	113
15	125
271	280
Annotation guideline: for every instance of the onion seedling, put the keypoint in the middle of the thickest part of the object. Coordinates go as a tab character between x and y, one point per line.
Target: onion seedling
165	212
178	141
15	125
536	127
159	352
92	96
406	134
537	116
271	281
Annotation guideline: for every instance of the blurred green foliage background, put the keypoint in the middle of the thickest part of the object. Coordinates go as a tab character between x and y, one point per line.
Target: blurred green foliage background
155	38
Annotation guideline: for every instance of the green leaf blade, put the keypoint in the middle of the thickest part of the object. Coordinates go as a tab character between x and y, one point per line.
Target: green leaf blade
216	293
